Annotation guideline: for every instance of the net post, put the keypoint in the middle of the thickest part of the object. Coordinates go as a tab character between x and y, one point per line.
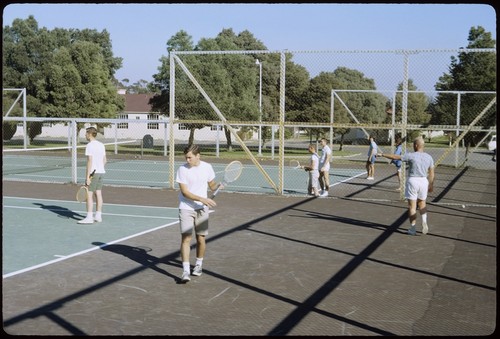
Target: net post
74	162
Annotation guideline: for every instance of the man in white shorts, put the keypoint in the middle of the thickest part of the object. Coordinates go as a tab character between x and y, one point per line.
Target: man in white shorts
194	179
420	181
324	167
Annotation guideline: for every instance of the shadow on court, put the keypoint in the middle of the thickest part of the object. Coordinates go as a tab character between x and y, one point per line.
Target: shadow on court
63	212
139	255
281	266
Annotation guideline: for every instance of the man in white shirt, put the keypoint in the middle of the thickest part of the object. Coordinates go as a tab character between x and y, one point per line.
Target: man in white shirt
194	179
96	160
324	167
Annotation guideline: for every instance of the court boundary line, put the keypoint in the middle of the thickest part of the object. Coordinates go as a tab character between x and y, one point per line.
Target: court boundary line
84	211
92	248
76	202
7	275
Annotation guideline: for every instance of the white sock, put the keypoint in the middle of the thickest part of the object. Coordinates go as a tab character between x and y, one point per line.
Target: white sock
185	266
199	261
424	218
89	215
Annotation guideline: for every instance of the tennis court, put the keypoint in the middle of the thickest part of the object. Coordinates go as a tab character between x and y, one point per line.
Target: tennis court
155	173
275	265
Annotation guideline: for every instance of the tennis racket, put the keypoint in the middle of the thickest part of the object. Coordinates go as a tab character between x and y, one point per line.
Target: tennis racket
81	194
231	173
295	164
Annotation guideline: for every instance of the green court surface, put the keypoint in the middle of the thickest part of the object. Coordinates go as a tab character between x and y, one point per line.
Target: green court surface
150	173
41	231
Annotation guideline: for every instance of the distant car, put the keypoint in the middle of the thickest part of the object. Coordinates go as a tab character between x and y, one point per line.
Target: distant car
492	144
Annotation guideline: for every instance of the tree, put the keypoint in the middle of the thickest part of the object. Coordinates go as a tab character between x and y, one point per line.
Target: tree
369	108
66	73
229	80
471	71
417	105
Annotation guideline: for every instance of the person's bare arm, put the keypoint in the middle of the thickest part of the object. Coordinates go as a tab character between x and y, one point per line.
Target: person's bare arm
430	177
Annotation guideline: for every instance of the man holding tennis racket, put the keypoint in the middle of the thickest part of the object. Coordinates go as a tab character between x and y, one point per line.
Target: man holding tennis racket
312	168
420	181
194	179
96	160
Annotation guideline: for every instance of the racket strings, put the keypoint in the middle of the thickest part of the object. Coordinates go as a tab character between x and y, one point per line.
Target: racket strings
81	195
232	171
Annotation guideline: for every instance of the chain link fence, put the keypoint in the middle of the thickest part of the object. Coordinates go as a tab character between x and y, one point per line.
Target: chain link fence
264	108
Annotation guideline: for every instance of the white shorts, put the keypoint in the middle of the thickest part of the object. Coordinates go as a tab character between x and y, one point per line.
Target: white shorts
314	178
197	220
416	188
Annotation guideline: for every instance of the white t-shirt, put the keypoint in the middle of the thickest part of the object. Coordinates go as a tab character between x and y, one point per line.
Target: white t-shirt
322	161
97	151
196	178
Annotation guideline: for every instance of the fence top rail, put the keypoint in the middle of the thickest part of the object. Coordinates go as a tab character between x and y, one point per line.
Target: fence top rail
412	91
89	120
397	51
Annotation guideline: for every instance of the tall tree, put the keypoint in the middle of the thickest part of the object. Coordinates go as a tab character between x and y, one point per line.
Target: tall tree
230	80
417	105
471	71
66	73
368	108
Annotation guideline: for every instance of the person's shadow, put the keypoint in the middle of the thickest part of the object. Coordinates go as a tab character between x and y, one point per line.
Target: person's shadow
62	212
137	254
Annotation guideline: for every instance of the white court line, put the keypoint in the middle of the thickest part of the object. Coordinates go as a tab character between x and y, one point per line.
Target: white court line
90	249
115	214
76	202
84	251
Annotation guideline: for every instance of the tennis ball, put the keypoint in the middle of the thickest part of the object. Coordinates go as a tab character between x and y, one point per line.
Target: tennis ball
463	206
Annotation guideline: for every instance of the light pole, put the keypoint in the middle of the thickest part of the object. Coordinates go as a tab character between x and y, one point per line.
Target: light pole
258	62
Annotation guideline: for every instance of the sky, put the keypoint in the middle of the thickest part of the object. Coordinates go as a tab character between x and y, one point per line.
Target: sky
139	32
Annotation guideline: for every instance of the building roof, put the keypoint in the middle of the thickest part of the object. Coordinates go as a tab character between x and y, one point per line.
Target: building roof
137	103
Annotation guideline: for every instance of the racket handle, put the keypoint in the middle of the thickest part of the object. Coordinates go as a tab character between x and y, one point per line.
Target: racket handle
92	174
216	191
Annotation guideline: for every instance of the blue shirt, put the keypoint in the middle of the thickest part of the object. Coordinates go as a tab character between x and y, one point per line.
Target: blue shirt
399	149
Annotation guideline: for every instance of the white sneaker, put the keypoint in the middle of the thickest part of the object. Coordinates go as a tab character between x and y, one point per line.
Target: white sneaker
425	228
370	178
98	219
197	270
185	277
324	194
86	221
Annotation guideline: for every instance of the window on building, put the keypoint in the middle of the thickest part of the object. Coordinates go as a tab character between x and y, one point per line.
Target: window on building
122	125
153	125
